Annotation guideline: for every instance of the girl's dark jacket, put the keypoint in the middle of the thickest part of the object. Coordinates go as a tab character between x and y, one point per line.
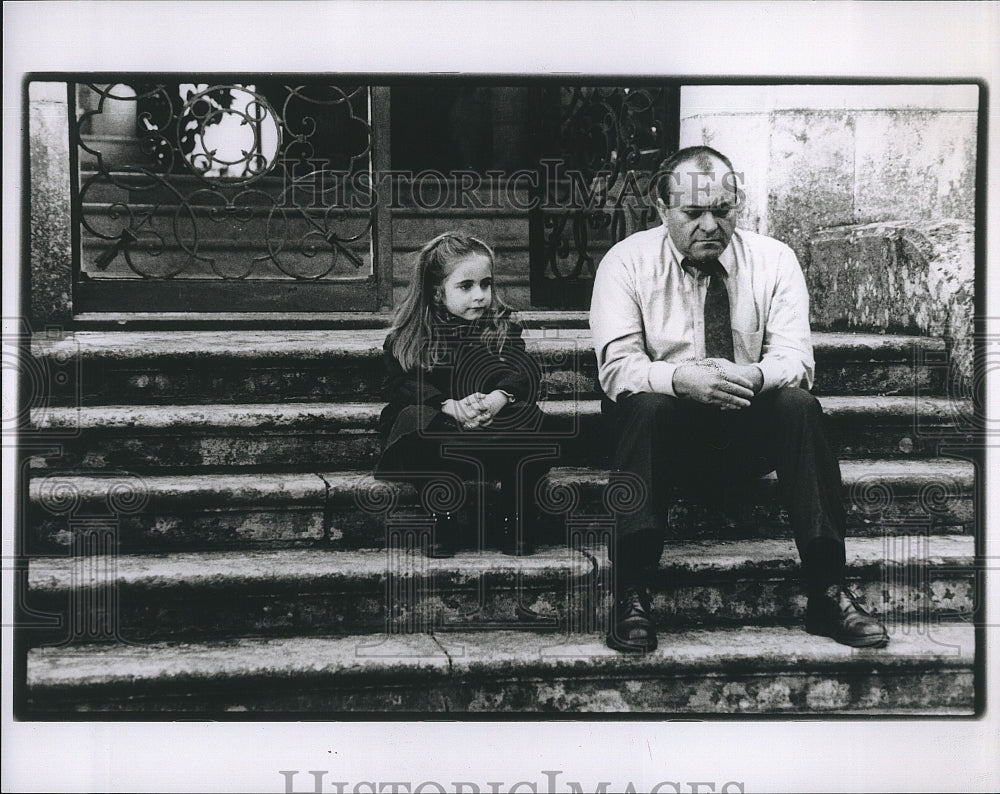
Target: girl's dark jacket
467	366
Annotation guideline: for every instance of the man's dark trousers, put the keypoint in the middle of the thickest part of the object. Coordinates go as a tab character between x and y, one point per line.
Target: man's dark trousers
667	442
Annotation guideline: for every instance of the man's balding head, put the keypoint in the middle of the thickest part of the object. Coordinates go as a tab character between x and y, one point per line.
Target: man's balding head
697	199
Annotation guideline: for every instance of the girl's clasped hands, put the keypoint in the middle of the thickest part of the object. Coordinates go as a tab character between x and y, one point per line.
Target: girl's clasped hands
475	410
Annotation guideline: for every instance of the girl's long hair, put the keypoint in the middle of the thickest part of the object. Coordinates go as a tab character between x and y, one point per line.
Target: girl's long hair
413	328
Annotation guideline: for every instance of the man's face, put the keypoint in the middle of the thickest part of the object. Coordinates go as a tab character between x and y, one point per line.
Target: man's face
702	211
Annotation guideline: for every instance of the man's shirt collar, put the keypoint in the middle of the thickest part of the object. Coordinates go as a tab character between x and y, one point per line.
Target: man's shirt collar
727	258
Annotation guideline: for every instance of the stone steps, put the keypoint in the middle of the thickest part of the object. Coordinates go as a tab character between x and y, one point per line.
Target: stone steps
292	592
154	438
349	509
259	366
205	536
308	591
926	669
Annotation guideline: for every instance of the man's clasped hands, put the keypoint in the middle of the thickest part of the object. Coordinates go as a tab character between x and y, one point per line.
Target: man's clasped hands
716	381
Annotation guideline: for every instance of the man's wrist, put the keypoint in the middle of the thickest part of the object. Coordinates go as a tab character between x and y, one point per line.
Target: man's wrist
661	377
679	384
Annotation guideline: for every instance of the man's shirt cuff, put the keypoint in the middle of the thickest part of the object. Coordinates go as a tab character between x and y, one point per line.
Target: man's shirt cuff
661	377
772	372
779	373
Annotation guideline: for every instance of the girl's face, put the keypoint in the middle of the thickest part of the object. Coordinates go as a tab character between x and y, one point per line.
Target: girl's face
467	291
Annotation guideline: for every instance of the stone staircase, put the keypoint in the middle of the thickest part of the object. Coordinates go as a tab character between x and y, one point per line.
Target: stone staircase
204	536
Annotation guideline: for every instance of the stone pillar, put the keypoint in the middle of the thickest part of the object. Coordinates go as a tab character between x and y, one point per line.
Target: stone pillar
51	259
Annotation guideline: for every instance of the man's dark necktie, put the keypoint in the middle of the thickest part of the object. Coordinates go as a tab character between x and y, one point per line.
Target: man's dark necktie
718	326
718	343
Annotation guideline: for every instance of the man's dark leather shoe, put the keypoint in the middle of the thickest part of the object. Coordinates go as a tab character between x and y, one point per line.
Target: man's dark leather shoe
836	613
631	626
442	542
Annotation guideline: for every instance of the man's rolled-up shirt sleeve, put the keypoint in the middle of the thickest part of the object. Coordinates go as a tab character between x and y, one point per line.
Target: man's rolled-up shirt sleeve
786	353
623	362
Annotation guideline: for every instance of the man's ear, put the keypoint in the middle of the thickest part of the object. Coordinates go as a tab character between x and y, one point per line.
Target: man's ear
661	210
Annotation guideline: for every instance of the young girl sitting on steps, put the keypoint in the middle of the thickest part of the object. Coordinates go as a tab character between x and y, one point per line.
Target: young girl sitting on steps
462	394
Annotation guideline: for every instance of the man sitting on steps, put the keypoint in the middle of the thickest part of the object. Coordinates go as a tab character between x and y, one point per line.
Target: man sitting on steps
704	355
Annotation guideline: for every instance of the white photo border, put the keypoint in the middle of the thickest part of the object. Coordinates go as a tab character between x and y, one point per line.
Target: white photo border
787	41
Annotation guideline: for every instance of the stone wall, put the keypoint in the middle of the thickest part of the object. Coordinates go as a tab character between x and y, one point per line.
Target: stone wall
872	186
51	301
898	276
821	156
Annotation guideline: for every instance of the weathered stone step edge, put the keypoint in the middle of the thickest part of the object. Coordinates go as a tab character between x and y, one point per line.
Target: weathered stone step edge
309	570
349	570
515	671
338	417
254	489
302	436
308	365
130	347
314	592
188	596
353	510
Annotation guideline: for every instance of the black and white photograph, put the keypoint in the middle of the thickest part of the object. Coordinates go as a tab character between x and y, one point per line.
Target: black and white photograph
435	422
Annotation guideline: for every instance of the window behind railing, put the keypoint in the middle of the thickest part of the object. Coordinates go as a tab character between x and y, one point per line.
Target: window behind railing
231	190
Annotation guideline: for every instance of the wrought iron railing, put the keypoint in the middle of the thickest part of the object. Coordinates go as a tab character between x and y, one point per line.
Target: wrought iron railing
609	141
224	181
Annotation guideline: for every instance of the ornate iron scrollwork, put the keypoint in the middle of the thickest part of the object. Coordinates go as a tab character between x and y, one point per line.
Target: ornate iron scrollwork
227	182
610	140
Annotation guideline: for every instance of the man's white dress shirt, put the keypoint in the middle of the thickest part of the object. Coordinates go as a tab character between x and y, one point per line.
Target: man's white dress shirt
647	312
